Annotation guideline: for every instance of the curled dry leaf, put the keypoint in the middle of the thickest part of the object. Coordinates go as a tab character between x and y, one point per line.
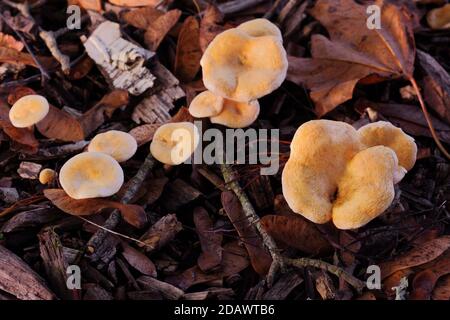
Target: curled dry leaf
210	241
159	28
133	214
419	255
210	26
259	256
10	42
10	55
81	68
353	51
442	289
189	53
296	232
138	260
142	18
135	3
95	5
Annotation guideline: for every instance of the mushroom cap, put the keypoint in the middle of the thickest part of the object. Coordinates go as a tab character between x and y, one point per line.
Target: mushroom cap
385	134
119	145
242	67
174	143
91	175
206	104
260	28
320	151
237	114
28	111
47	176
366	189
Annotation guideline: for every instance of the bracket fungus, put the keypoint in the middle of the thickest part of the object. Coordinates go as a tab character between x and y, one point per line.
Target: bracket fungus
340	174
230	113
119	145
91	175
174	143
246	62
28	111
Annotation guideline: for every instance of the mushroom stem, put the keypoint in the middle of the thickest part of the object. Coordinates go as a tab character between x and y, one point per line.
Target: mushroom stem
114	218
233	185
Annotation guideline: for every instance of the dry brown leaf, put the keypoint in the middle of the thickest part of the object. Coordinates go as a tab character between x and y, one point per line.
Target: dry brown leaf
94	117
13	56
133	214
19	92
135	3
138	260
81	68
210	26
442	289
159	28
353	51
23	136
10	42
296	232
417	256
259	256
142	18
95	5
189	53
210	241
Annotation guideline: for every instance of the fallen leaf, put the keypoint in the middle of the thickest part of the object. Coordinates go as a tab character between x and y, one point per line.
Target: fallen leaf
419	255
210	26
442	289
296	232
353	51
96	116
161	233
350	246
159	28
210	241
95	5
23	136
138	260
234	261
259	256
10	42
133	214
81	69
29	170
189	53
423	285
142	18
135	3
19	92
13	56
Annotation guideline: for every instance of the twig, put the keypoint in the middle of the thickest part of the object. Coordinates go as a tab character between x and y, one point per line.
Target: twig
114	218
237	5
272	10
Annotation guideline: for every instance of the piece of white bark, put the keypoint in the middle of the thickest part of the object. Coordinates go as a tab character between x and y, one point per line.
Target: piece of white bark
119	59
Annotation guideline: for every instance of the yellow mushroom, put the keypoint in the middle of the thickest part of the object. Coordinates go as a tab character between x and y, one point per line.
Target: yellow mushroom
47	176
174	143
245	63
28	111
206	104
119	145
91	175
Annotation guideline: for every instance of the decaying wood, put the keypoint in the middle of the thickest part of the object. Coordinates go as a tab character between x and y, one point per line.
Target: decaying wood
161	233
166	289
177	194
284	286
30	219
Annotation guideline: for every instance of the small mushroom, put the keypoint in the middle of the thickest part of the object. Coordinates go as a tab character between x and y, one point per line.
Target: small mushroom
28	111
230	113
385	134
119	145
91	175
245	63
366	189
174	143
47	176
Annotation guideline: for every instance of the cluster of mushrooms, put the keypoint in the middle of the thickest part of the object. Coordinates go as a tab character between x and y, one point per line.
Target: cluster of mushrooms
334	172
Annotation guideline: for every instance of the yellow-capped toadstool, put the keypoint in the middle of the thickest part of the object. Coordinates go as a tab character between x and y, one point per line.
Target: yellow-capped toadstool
47	176
245	63
119	145
28	111
206	104
91	175
174	143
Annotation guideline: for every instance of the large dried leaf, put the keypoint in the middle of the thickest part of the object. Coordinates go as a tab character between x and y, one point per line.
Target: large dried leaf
210	26
60	125
159	28
142	18
419	255
133	214
18	279
442	289
10	55
210	241
95	5
353	51
10	42
259	256
189	53
138	260
23	136
296	232
135	3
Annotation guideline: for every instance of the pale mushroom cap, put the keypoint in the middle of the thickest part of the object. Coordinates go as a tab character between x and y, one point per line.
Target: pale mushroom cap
385	134
47	176
174	143
119	145
241	67
320	152
91	175
206	104
259	28
28	111
237	114
366	189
